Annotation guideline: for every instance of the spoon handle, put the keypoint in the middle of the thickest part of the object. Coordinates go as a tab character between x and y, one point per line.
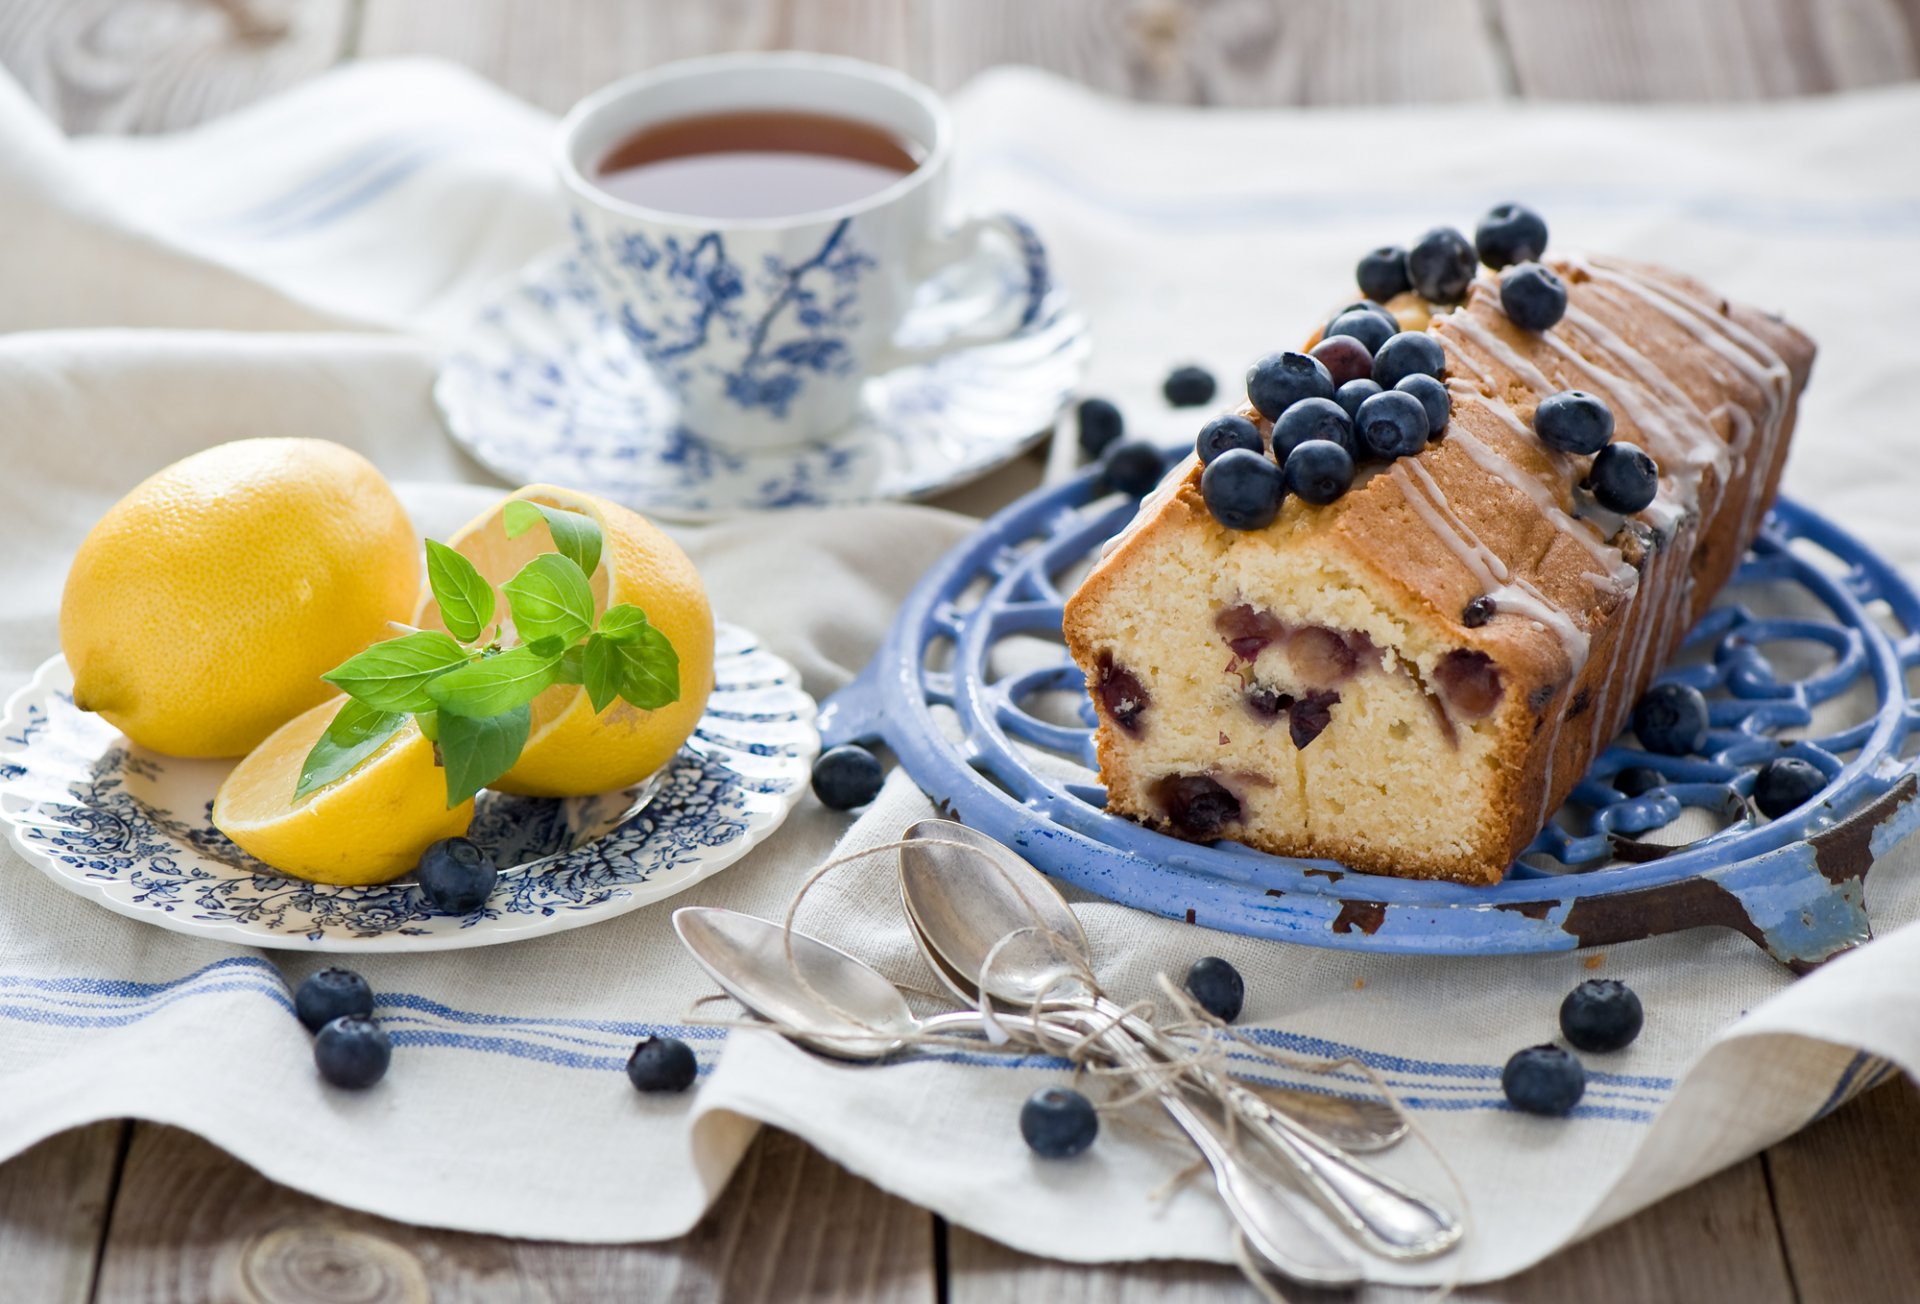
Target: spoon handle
1353	1125
1267	1215
1388	1218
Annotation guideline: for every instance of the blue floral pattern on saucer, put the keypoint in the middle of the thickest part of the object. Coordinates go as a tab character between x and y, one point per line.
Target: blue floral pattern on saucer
547	386
129	828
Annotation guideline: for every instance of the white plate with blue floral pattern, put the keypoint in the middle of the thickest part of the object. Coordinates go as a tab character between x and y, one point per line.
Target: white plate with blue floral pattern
129	828
543	388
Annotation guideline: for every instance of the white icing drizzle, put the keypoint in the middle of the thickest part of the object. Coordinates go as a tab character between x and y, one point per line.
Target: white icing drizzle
1511	594
1494	462
1746	352
1499	350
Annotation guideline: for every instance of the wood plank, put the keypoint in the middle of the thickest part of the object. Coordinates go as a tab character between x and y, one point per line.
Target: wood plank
554	52
157	65
53	1207
1224	52
1716	1241
1704	49
193	1224
1848	1199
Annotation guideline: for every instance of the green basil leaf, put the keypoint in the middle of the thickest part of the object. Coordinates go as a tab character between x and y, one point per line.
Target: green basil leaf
601	672
575	536
649	670
495	684
550	598
356	733
550	646
393	676
475	752
466	600
623	623
573	666
429	722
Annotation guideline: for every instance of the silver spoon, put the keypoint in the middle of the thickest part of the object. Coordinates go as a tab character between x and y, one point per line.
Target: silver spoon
858	1014
747	956
968	911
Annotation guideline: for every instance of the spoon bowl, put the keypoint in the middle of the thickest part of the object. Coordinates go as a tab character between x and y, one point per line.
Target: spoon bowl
852	1011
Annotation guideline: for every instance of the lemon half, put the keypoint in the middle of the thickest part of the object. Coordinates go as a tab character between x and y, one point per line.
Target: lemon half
369	826
571	751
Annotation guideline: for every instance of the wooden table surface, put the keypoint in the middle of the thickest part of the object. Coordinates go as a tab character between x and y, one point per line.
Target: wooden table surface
127	1211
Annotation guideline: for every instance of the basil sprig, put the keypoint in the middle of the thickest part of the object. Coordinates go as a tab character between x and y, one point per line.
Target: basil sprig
474	698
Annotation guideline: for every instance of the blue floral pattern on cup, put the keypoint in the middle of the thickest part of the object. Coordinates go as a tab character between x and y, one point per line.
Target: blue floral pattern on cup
132	830
694	291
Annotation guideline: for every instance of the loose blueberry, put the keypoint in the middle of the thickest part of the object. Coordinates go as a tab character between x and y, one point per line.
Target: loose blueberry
1223	433
1785	783
1638	780
1671	720
1217	987
1601	1015
662	1064
1100	424
1058	1122
1623	478
1441	265
1370	328
352	1052
1573	421
1479	612
1410	353
456	876
1279	380
1383	273
1347	358
1133	467
332	994
1311	418
1188	386
1535	298
1355	392
1433	397
1509	234
1390	425
1319	471
1544	1080
1243	489
846	777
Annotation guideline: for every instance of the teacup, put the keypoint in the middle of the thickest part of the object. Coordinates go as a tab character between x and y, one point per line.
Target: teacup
763	329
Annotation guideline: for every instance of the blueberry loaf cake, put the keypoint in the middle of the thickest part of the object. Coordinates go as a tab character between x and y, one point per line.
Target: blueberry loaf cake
1392	608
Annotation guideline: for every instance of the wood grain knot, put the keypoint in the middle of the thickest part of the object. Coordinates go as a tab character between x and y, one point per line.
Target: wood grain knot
322	1264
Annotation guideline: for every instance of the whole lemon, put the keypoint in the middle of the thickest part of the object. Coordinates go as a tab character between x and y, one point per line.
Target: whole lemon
573	750
203	608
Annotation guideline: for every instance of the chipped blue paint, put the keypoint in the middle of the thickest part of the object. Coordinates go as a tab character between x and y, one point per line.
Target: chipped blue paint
1794	885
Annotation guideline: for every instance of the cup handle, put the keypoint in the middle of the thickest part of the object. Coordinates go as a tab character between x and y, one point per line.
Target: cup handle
969	242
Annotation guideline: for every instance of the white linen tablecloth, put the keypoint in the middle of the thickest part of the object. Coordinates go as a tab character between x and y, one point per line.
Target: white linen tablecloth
294	268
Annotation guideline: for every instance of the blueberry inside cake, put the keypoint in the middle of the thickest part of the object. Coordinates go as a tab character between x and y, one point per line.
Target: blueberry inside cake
1394	605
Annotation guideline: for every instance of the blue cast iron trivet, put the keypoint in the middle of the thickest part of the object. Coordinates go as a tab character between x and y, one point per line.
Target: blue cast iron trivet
1793	885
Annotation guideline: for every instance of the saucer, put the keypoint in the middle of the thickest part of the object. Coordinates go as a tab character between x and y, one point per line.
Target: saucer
129	829
542	388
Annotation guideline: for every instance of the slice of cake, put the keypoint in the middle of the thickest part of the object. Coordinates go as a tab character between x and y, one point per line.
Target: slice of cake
1401	649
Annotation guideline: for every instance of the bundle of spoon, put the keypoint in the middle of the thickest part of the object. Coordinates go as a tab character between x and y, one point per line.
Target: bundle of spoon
1001	938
